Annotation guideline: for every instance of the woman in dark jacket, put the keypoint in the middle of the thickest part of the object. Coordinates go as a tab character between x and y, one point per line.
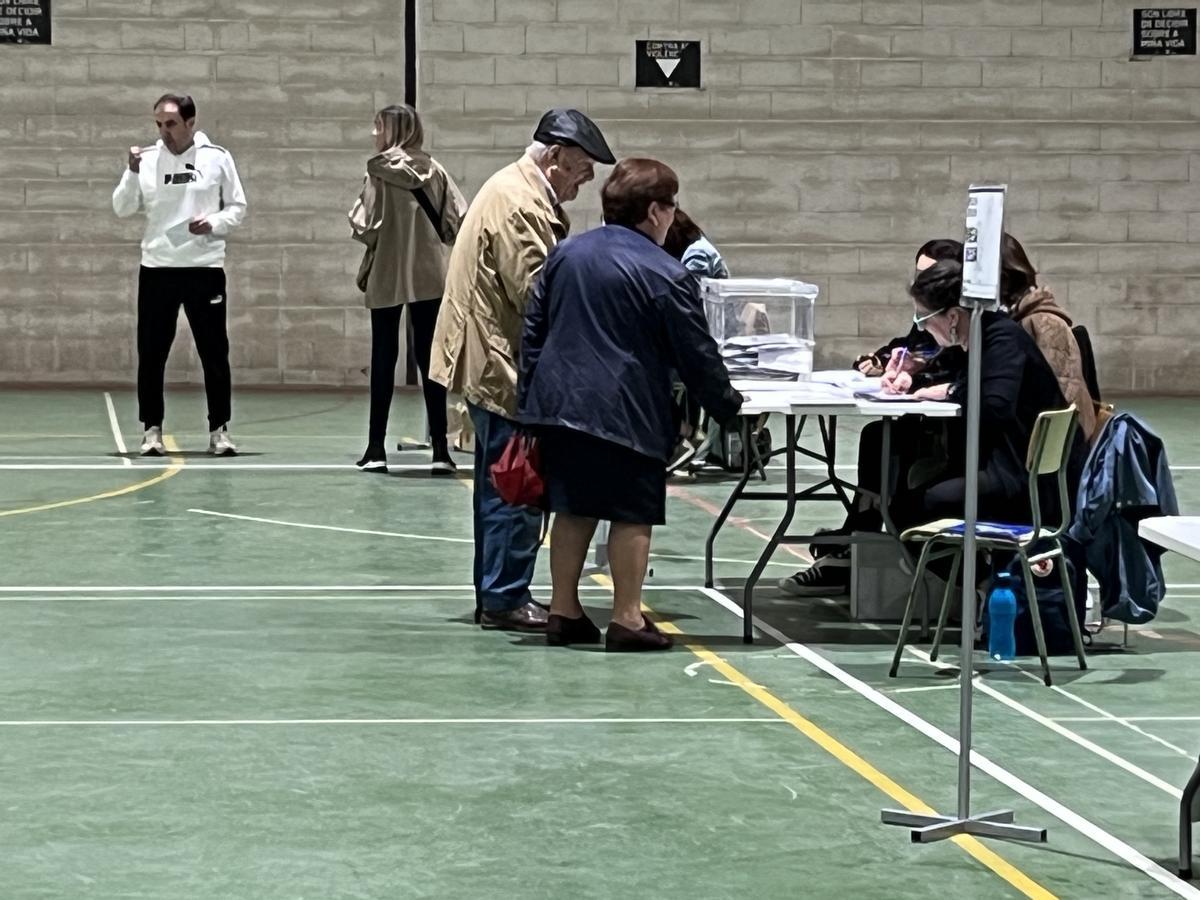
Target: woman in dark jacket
609	319
1017	385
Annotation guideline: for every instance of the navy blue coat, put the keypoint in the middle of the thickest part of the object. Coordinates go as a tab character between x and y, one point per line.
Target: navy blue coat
610	318
1126	479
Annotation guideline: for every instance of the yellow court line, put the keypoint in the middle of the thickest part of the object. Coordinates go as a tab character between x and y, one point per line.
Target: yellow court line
170	471
847	757
852	760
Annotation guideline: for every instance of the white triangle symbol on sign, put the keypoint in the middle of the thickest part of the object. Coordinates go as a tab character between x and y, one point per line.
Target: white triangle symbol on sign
668	66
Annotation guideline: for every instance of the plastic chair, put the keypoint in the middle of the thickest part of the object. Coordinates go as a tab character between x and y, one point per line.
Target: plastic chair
1049	449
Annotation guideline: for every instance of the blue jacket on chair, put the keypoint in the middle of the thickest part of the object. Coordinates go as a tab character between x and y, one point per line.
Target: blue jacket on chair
1126	479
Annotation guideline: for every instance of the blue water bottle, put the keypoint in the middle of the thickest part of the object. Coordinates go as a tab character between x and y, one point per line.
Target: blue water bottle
1002	618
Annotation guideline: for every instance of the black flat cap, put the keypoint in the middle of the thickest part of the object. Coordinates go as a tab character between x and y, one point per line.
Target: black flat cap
574	129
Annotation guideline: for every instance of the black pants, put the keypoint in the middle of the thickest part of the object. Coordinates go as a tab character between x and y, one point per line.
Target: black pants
201	293
385	351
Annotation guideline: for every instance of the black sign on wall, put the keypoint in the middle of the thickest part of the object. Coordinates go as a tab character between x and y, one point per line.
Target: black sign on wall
24	21
669	64
1164	31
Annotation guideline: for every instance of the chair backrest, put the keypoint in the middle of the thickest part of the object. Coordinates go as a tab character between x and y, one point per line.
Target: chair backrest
1087	358
1049	451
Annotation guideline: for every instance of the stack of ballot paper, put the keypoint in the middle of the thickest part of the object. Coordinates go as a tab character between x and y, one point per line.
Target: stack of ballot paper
772	356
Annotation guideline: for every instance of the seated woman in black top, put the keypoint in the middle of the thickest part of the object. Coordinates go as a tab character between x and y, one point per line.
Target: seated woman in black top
609	319
1017	385
918	444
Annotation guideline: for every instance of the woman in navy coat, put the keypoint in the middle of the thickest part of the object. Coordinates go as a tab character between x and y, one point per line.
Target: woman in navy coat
610	319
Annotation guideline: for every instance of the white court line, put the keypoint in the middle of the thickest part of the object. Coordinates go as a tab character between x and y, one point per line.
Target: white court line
1120	720
200	466
1087	828
112	723
1061	730
720	559
396	534
116	429
218	590
1128	719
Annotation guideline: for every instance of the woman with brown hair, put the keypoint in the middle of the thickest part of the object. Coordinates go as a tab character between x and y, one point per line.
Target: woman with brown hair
609	319
408	213
1034	308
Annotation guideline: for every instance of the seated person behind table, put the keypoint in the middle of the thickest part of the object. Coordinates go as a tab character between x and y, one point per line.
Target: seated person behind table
1017	385
1035	309
688	244
609	318
918	444
919	345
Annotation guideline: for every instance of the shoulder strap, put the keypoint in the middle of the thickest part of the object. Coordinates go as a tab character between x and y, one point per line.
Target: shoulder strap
427	205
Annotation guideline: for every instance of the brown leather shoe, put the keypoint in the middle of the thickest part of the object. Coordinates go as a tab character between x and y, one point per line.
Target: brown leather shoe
561	631
529	617
620	639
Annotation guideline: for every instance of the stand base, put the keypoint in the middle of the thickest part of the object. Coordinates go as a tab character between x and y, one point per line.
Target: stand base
927	829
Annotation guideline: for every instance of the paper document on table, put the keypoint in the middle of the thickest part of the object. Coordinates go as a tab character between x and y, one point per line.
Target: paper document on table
879	395
844	378
764	340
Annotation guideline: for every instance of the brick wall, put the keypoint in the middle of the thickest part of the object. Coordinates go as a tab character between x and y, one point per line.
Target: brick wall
834	137
289	86
831	139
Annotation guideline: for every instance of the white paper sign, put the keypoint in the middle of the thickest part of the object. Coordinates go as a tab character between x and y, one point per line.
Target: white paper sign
981	246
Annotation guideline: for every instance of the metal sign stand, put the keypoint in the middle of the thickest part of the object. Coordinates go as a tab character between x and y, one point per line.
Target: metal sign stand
981	284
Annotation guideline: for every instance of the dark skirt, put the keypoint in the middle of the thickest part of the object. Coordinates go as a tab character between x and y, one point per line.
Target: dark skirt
593	478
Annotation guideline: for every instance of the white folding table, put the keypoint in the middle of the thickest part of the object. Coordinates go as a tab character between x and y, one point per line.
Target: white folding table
798	402
1182	535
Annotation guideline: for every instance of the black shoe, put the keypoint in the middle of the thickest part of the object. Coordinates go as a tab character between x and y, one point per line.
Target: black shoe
620	639
442	467
373	460
828	576
561	631
529	617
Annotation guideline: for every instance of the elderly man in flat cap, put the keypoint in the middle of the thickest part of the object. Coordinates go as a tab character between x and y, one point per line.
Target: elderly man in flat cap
510	227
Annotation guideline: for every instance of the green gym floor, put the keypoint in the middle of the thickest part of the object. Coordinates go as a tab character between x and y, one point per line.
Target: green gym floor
257	678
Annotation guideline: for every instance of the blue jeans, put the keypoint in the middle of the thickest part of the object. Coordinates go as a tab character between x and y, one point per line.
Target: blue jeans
506	537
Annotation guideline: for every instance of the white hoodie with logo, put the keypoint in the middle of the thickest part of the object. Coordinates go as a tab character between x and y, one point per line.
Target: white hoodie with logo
174	190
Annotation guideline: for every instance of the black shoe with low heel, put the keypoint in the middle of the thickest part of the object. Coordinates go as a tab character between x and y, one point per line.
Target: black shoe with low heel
562	632
620	639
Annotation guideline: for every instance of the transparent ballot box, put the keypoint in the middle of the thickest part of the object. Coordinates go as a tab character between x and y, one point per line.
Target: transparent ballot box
764	326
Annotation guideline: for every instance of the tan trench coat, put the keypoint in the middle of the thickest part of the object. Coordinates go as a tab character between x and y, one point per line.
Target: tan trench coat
508	230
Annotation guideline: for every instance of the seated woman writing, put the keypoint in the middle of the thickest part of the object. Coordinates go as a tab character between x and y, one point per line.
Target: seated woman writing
916	442
1017	385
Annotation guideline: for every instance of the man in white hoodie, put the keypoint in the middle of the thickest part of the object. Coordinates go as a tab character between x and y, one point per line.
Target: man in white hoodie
192	197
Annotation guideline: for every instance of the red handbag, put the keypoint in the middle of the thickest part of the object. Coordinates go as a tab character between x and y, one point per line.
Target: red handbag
517	474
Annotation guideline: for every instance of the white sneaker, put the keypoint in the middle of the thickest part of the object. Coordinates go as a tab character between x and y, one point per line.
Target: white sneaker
152	442
220	444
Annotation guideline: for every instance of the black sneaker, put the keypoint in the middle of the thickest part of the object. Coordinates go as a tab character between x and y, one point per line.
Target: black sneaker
373	460
828	576
443	465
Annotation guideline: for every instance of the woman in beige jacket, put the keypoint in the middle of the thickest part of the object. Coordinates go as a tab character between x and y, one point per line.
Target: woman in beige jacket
407	215
1034	308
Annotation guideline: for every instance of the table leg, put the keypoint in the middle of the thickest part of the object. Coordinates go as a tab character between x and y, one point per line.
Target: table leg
773	544
1187	815
829	442
734	496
